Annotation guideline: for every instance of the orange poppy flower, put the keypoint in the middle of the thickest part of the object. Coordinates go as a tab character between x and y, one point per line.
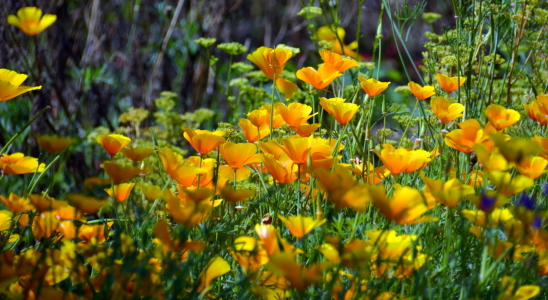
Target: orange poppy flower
271	147
342	188
288	88
337	61
233	195
16	204
534	112
372	175
216	267
253	133
18	163
91	233
421	92
183	172
372	86
203	141
45	225
258	117
325	33
445	110
403	160
299	276
297	149
137	154
532	166
500	117
187	212
463	139
295	114
405	206
306	129
270	61
119	173
44	203
277	119
324	102
31	21
343	112
281	170
320	78
113	143
543	143
120	192
239	155
85	204
300	226
450	84
491	162
54	143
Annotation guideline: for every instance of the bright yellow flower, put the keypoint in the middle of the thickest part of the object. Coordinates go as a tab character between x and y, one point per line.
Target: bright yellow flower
300	226
421	92
119	173
287	87
295	113
85	204
508	186
18	163
500	117
325	33
343	112
491	162
270	61
324	102
239	155
337	61
137	154
372	86
216	267
113	143
450	84
120	192
31	21
532	166
450	193
281	170
405	206
403	160
203	141
306	129
10	82
542	142
445	110
320	78
463	139
253	133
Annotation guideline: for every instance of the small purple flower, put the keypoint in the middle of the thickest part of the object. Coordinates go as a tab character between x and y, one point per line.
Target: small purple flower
545	190
526	201
487	202
537	222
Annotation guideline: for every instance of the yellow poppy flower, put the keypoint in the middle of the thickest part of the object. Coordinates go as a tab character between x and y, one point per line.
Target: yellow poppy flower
287	87
239	155
203	141
450	84
320	78
403	160
445	110
421	92
405	206
120	192
500	117
325	33
337	61
295	113
137	154
372	86
54	143
18	163
85	204
31	21
270	61
300	226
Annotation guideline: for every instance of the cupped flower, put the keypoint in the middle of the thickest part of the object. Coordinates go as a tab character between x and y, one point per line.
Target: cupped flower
450	84
300	226
445	110
320	78
10	82
501	117
120	192
113	143
270	61
295	114
31	21
239	155
204	141
421	92
403	160
324	102
343	112
253	133
288	88
463	139
405	206
372	86
18	163
137	154
337	61
54	143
